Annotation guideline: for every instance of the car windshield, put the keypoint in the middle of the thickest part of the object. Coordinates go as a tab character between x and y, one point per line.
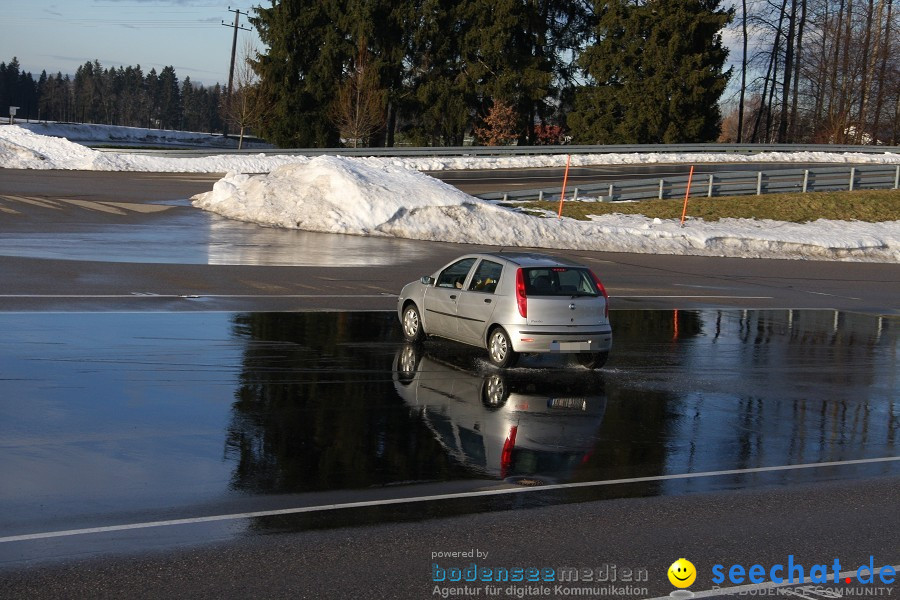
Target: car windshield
559	281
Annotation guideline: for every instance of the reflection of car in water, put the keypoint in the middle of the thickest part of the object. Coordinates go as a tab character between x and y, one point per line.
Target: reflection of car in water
534	426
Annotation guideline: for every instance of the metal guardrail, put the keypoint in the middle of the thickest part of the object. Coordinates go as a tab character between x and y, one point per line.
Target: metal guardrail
731	183
492	151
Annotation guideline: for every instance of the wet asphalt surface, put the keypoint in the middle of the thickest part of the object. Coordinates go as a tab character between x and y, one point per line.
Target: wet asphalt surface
87	241
336	460
137	418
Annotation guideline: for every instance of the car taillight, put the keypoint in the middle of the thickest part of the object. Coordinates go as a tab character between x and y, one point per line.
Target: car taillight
506	455
521	299
602	291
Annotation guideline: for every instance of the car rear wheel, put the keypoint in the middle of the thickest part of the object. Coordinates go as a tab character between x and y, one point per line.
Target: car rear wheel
592	360
412	324
500	349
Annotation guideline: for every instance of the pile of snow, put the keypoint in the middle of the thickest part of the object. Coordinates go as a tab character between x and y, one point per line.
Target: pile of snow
374	197
442	163
115	134
21	148
330	194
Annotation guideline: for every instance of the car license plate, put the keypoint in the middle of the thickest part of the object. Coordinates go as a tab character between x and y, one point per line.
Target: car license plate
570	403
570	346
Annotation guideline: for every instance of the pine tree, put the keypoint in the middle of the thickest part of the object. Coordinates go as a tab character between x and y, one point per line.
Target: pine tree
311	52
189	112
519	51
301	69
384	26
109	84
505	59
656	72
151	84
9	78
439	107
169	99
26	96
84	91
134	101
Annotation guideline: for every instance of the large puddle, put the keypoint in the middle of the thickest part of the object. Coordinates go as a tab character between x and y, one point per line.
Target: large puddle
197	237
112	417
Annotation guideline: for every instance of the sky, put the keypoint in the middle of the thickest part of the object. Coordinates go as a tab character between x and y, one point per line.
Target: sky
61	35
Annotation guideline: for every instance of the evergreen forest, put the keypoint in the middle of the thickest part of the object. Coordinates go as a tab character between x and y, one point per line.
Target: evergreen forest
112	96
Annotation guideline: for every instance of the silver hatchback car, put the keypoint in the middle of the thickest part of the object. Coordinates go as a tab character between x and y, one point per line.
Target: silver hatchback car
511	303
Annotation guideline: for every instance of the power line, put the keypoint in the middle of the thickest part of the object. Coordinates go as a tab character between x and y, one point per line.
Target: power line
131	23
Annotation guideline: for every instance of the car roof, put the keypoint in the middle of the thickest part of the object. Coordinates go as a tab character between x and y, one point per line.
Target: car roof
532	259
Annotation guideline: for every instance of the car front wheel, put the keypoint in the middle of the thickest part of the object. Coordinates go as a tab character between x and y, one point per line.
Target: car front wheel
494	392
412	324
500	349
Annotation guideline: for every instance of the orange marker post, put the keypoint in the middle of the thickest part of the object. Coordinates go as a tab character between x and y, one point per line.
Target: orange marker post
562	196
687	194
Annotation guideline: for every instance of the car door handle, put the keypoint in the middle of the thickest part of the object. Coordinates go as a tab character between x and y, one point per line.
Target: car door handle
487	300
453	297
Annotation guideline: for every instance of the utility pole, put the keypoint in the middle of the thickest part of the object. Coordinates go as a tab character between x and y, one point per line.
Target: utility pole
236	26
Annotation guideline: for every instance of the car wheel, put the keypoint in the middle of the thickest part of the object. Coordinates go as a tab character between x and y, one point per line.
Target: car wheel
412	324
500	349
407	362
592	360
494	392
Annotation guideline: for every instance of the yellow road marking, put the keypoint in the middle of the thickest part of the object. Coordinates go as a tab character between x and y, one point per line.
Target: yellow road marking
140	208
98	206
43	203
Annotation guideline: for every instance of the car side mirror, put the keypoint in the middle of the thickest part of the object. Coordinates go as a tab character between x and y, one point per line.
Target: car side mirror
427	280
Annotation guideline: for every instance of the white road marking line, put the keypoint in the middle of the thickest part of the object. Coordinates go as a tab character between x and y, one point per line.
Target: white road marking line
751	587
703	296
702	287
831	295
416	499
193	296
381	295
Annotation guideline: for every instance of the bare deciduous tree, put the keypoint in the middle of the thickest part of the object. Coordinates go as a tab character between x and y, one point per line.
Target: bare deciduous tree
359	110
248	105
822	70
744	40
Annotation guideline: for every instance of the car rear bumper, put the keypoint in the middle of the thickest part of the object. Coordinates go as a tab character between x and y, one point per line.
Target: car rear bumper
528	338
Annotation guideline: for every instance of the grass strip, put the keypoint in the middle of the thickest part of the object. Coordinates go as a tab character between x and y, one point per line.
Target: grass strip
873	206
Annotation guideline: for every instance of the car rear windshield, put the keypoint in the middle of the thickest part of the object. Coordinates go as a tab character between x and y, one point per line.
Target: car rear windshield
559	281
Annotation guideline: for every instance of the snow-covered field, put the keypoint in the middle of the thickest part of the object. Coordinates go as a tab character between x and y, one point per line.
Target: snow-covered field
390	197
95	135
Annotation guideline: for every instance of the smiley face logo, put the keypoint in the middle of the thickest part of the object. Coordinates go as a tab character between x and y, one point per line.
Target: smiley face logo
682	573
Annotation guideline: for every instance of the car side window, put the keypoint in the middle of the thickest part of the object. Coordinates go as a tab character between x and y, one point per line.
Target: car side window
454	276
486	277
